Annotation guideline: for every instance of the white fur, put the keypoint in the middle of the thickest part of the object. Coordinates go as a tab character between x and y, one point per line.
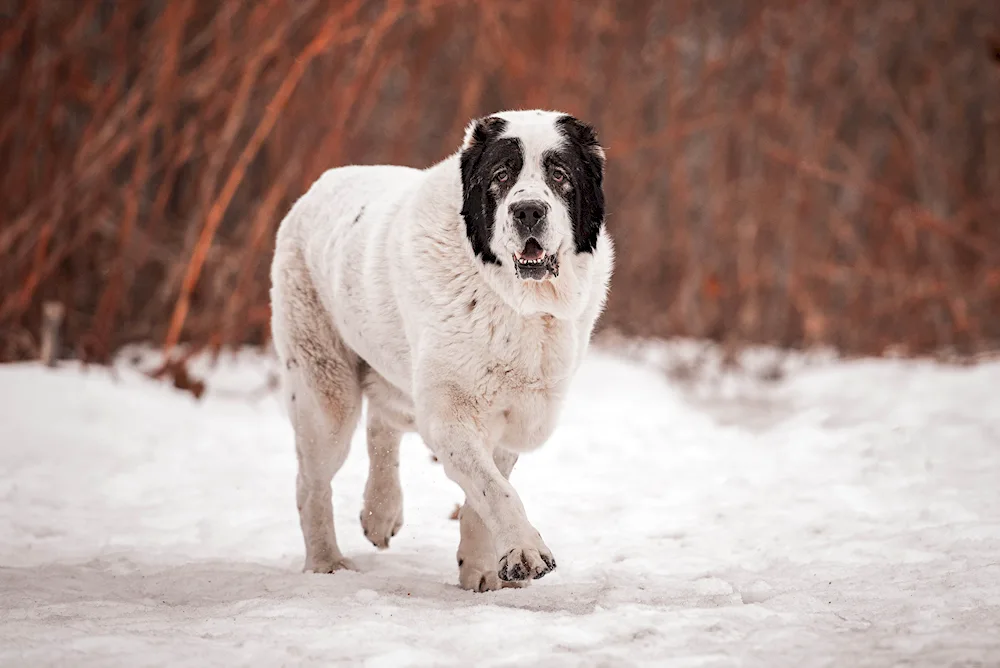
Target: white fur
394	306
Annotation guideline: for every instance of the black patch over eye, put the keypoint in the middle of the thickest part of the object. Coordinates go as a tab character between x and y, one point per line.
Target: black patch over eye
485	158
583	159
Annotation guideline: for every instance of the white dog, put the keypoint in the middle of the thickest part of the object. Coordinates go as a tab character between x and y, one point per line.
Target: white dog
459	299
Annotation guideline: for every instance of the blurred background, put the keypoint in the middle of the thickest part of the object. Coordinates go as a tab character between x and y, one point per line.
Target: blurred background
780	172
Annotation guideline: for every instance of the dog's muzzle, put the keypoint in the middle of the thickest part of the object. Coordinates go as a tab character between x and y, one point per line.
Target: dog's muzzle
533	263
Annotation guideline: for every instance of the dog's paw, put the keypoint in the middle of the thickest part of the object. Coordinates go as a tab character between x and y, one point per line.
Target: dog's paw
481	576
477	575
330	565
526	563
381	521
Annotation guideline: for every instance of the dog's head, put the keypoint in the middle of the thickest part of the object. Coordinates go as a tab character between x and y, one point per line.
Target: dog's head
532	192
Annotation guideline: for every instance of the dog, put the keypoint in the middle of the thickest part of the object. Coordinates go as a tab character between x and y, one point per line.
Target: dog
459	300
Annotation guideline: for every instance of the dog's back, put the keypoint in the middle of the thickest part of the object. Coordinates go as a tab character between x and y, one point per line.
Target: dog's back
333	244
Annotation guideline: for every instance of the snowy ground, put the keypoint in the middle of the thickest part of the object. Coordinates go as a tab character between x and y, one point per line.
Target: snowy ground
847	516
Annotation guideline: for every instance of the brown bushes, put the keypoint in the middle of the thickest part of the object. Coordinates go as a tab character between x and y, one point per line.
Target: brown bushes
782	172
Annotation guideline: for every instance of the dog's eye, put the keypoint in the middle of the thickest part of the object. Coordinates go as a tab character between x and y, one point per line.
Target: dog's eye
558	175
502	175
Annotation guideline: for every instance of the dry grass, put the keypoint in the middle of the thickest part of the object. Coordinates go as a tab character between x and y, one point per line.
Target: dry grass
781	172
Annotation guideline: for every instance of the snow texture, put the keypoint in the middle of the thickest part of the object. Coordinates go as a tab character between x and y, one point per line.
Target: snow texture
848	515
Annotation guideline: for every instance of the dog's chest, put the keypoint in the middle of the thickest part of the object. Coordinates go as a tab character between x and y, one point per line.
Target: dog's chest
525	378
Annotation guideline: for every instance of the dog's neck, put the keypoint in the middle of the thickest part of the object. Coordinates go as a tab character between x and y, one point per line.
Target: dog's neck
563	297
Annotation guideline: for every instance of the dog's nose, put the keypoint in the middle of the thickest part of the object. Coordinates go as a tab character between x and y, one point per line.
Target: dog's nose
529	213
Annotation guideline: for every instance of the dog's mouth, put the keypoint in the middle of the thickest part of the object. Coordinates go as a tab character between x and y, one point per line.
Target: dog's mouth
533	263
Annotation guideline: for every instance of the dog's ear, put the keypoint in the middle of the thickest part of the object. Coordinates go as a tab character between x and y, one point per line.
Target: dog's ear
482	130
476	209
588	213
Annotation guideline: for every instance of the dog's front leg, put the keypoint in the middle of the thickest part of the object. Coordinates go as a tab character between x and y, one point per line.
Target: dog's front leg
449	427
476	555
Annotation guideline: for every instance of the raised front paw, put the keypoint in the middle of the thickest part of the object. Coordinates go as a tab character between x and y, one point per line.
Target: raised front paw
526	563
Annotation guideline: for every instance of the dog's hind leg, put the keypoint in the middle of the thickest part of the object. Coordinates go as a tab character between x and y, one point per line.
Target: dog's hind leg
324	419
382	515
323	394
477	559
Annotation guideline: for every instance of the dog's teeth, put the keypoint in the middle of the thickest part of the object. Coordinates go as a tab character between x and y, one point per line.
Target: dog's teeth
537	262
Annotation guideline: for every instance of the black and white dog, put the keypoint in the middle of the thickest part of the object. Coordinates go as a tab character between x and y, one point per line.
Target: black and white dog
460	300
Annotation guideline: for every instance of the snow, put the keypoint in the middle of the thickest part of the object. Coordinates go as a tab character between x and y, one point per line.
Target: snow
848	515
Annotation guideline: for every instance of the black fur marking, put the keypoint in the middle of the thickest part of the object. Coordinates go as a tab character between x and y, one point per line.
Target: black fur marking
582	160
480	161
550	564
358	217
513	572
472	306
522	571
487	129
